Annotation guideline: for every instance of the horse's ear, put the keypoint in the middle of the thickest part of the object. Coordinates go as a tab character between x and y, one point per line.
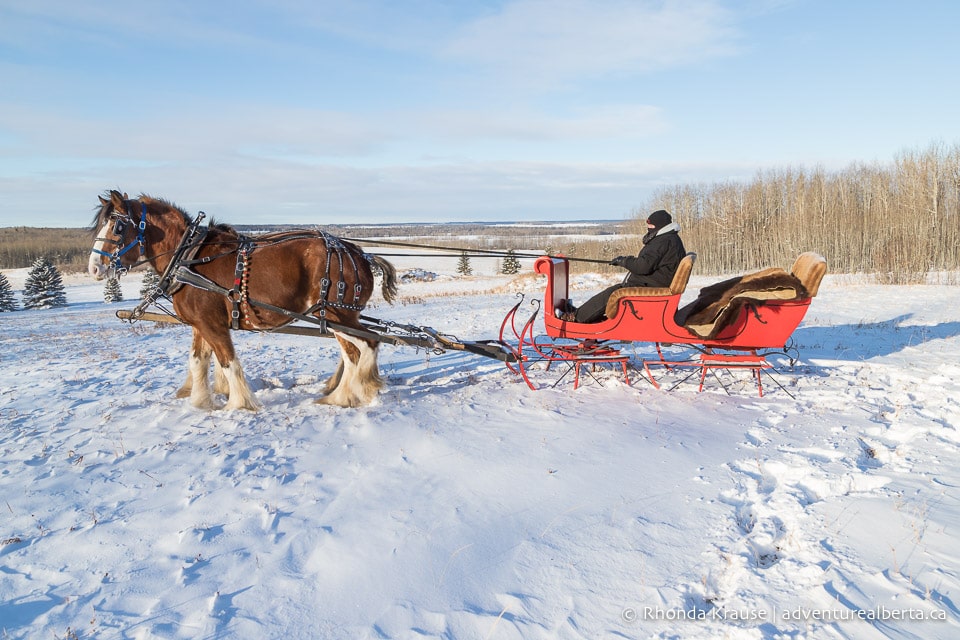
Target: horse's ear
117	199
102	200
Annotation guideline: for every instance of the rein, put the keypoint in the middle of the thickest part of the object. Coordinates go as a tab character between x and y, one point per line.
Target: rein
461	250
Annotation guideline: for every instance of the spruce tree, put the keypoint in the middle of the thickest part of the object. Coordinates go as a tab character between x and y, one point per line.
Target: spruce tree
150	280
7	300
112	291
463	265
511	265
43	288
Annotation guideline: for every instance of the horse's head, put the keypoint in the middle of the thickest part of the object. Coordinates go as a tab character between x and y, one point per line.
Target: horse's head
118	227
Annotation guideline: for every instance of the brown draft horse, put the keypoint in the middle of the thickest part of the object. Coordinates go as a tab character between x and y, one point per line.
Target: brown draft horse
305	272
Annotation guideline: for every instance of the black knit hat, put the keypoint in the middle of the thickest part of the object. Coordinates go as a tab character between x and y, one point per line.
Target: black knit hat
659	219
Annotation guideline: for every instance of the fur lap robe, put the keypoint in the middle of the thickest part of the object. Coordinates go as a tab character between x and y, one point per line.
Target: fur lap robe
719	305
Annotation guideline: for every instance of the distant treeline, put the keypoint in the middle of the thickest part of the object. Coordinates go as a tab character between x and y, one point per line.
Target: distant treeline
20	247
899	222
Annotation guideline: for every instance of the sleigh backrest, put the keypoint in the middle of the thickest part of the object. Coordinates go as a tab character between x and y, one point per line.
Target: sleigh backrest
810	268
677	286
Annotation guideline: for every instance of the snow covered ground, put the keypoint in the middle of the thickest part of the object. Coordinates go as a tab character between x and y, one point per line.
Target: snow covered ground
464	505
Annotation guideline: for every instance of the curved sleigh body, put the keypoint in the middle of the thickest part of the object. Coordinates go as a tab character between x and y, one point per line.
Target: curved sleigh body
760	314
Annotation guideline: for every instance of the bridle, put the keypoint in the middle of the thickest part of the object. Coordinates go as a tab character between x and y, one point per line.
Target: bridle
119	226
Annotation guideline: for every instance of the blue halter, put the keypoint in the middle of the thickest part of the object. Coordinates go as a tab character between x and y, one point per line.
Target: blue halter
118	230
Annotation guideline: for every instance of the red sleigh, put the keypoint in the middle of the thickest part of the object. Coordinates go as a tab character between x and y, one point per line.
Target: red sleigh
761	314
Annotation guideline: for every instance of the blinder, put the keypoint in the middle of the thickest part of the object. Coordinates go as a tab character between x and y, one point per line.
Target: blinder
119	226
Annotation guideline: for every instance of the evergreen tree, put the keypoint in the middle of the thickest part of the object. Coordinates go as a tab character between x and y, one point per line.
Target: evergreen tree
7	301
463	265
111	291
43	288
511	265
150	280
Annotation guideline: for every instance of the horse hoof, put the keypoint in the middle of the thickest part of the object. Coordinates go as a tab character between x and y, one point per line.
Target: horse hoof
244	406
337	403
351	402
207	406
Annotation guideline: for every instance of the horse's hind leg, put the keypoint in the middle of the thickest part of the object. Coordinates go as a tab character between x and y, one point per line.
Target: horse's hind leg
359	377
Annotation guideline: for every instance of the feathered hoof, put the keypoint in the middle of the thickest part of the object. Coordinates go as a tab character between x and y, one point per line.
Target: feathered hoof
206	405
350	403
245	406
339	398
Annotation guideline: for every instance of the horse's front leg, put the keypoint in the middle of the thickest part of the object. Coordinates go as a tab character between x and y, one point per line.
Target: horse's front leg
197	385
239	394
334	381
186	389
220	384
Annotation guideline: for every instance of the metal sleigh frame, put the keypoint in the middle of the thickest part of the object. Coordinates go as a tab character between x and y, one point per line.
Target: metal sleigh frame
648	316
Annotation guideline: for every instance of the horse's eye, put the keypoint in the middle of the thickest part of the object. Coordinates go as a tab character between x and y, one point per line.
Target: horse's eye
119	226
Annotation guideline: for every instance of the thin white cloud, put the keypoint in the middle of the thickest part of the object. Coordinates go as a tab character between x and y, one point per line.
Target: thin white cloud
545	41
309	135
43	23
603	122
190	135
241	190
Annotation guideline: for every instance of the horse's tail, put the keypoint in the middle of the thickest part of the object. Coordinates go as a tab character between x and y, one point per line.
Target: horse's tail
389	285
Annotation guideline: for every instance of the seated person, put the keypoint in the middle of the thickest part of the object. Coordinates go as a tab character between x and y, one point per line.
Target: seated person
654	266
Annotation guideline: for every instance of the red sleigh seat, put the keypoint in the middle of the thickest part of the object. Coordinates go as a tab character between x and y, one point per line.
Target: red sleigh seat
633	313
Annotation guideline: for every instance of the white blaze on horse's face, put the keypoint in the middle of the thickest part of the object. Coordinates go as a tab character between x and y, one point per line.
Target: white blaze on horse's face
99	265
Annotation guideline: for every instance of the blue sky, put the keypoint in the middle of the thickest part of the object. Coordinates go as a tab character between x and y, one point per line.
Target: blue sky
318	112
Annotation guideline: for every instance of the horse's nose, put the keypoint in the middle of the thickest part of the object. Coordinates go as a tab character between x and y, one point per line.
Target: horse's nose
96	269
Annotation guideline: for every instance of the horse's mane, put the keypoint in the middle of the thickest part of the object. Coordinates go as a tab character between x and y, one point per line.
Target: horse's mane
187	218
222	226
103	211
213	225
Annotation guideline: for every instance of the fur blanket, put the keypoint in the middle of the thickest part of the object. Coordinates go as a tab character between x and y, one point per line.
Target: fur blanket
719	305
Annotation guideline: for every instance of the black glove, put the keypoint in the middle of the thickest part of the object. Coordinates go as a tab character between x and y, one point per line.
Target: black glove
619	261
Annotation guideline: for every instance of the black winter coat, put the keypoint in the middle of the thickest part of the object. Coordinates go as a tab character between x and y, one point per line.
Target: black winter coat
657	261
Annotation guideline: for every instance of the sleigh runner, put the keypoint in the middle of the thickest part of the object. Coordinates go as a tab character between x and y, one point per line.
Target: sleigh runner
734	324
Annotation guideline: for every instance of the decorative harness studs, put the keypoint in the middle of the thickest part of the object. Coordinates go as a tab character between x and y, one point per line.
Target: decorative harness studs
240	295
334	244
